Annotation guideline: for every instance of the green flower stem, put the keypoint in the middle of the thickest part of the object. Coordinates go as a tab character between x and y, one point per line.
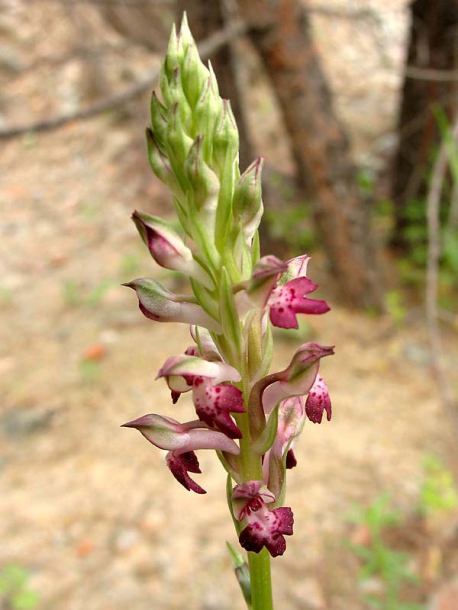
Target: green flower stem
258	563
261	582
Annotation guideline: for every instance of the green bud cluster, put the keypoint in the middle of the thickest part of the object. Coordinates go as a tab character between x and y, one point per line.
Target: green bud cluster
193	147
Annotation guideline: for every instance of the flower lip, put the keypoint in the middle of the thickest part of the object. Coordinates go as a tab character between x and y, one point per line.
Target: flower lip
318	401
287	300
180	465
264	527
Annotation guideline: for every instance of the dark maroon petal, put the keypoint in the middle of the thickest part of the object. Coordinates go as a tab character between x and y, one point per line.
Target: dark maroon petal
148	314
182	463
268	530
285	520
251	538
291	461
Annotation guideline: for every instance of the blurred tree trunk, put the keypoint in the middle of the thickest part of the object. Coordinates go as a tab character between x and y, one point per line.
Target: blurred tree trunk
282	35
433	45
206	18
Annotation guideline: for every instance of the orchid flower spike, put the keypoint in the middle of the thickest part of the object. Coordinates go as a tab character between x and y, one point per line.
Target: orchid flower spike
250	416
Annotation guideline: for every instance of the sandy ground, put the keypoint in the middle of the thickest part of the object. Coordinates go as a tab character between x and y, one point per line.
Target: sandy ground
90	509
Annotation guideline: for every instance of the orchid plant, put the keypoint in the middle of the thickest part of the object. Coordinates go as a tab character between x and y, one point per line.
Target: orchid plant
251	417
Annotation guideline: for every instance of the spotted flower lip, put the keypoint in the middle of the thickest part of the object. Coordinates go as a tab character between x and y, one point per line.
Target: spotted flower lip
214	403
265	528
213	400
290	299
318	401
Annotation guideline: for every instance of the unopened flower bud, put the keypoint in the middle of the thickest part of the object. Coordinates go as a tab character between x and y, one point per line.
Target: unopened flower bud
159	304
204	181
158	121
167	248
194	75
207	112
226	139
247	201
178	142
160	164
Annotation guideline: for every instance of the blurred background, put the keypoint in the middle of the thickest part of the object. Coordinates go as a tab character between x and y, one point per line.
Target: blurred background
352	103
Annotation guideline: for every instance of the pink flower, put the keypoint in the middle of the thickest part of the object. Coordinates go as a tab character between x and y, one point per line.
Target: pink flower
298	378
264	527
213	400
213	404
290	299
181	440
282	287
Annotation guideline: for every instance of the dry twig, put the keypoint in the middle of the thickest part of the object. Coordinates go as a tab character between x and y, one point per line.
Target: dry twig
206	48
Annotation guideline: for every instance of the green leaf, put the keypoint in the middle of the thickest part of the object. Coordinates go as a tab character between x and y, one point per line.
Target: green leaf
242	573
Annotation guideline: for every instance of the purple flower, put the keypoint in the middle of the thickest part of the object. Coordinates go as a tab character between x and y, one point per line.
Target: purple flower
181	440
318	401
264	527
213	404
282	287
288	300
298	378
213	400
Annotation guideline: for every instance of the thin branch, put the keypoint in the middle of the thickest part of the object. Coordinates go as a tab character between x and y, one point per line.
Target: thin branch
351	14
432	277
206	48
430	74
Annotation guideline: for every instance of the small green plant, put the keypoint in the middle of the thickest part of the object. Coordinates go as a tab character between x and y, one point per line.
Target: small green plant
438	491
395	306
389	566
365	178
15	593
